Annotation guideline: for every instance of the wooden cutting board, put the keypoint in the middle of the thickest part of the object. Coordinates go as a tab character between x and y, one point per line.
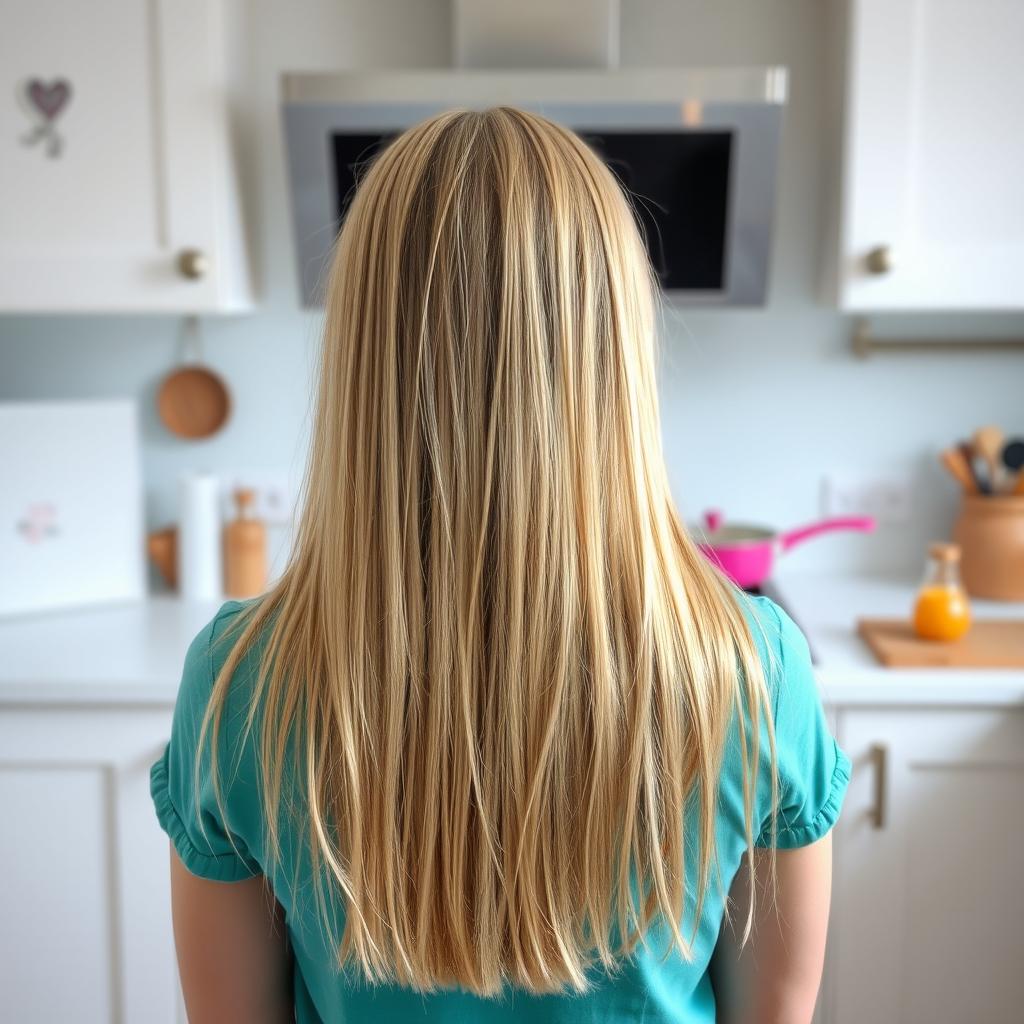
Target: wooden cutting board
989	643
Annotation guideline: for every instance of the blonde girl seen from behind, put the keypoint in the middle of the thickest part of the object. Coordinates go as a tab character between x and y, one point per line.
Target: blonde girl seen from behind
497	672
494	627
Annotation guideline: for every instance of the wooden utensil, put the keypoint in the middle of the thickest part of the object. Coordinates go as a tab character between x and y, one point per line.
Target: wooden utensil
193	401
981	481
987	444
960	469
990	643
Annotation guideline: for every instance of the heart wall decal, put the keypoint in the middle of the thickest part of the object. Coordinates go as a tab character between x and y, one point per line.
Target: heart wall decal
44	102
49	98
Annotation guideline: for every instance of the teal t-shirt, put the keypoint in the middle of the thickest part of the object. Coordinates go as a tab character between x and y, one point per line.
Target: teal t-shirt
813	774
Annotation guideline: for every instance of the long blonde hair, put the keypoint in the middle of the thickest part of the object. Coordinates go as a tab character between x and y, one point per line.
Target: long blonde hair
503	669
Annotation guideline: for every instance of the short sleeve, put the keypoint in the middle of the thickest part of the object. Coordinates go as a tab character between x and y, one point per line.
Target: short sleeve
813	771
194	821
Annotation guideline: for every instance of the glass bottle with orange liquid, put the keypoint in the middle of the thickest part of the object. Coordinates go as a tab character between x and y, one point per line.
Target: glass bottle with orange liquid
942	611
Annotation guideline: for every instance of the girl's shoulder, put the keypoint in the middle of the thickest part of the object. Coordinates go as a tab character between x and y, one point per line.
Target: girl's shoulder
783	649
813	771
212	645
215	825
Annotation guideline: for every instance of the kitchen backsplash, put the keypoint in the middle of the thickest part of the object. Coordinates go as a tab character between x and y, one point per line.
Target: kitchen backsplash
758	406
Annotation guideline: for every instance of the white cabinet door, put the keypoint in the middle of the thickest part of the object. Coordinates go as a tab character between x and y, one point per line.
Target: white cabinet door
114	158
85	929
929	903
934	155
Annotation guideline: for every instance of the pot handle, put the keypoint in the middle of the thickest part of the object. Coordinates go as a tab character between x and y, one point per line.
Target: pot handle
791	538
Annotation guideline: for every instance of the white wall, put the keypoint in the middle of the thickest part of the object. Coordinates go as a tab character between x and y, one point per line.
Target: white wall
757	405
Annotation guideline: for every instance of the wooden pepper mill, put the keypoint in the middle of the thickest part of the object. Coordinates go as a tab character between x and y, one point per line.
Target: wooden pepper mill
245	549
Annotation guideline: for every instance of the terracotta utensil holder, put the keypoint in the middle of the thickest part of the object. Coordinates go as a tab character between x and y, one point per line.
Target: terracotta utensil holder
990	532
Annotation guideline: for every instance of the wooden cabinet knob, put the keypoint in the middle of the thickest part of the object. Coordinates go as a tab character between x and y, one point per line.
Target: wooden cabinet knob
879	260
193	264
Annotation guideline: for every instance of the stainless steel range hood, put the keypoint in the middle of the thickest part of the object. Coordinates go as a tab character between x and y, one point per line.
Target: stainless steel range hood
701	143
482	87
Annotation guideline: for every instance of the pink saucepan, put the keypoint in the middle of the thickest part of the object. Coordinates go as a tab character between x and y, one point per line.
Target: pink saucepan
746	554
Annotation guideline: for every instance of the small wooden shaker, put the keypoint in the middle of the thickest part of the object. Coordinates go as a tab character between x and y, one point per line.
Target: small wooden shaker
245	549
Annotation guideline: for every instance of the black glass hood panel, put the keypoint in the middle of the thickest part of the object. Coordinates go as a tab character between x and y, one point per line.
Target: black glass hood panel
677	183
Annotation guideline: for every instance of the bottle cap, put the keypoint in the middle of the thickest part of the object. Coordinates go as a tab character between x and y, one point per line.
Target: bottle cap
944	552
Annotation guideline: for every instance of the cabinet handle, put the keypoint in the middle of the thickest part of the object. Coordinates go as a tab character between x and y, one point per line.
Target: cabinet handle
879	755
879	260
193	264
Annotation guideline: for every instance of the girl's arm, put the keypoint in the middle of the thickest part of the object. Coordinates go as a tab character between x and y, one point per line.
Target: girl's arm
774	979
233	954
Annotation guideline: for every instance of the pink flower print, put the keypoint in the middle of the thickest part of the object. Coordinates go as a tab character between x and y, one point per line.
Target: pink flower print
39	522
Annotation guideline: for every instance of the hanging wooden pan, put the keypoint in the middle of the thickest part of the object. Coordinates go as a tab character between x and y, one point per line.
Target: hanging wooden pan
193	402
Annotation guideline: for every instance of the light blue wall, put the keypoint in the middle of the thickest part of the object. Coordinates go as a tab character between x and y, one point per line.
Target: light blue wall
757	405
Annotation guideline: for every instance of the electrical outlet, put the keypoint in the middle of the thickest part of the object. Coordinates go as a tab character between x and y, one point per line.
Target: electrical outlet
885	496
275	499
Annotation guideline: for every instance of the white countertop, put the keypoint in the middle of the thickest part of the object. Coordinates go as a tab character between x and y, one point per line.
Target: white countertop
827	608
132	654
119	654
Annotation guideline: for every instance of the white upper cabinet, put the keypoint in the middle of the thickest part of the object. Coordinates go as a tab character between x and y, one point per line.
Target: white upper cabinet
931	210
117	188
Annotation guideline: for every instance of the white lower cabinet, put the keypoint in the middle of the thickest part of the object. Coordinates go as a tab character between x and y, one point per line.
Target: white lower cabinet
928	914
85	921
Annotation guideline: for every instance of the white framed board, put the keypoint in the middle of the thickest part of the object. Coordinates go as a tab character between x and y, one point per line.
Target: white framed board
71	517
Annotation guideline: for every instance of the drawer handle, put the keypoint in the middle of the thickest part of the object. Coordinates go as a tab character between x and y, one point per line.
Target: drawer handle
879	754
